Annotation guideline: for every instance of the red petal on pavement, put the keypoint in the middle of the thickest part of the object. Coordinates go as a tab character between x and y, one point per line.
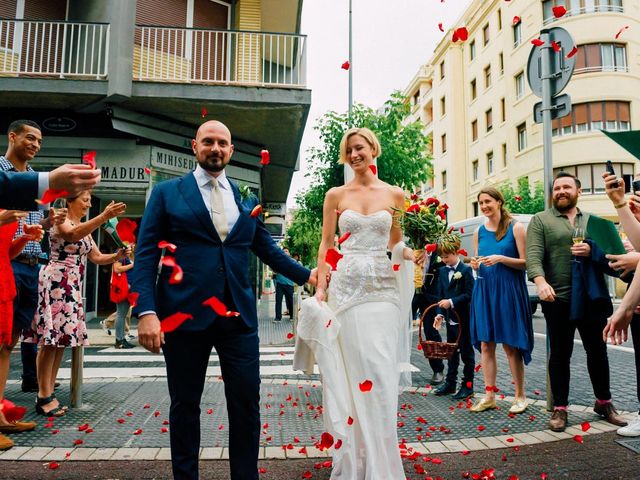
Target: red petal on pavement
578	438
307	474
210	411
219	307
257	210
138	431
573	51
164	430
165	422
346	65
373	169
621	30
172	322
366	386
89	158
543	476
516	20
53	465
419	347
481	428
463	34
290	336
265	158
510	439
83	427
556	47
262	470
168	245
326	440
50	195
343	238
204	112
537	42
349	421
156	414
396	267
333	257
513	477
78	442
478	367
53	432
559	11
436	461
537	392
585	426
465	452
120	420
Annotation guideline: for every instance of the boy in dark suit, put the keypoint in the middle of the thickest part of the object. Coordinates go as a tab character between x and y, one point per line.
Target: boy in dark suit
455	286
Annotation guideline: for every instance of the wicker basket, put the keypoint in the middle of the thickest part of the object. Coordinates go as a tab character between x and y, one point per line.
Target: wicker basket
438	350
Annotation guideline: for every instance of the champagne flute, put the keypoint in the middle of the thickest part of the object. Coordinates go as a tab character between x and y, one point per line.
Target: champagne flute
478	259
59	204
577	237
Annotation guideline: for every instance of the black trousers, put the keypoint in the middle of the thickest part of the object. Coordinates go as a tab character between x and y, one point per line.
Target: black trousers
187	357
24	308
287	291
635	333
464	351
560	331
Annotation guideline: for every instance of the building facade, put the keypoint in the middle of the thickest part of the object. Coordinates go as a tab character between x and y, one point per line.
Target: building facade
132	80
475	101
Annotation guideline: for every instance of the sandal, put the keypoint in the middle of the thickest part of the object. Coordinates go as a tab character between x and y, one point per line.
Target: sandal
63	407
54	412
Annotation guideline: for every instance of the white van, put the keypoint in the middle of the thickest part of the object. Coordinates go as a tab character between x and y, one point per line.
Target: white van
471	224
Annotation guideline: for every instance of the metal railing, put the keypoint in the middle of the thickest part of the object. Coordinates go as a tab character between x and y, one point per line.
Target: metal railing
571	12
184	55
62	49
601	68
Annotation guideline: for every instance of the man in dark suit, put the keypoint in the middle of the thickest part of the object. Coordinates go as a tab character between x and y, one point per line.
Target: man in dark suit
213	230
455	287
19	190
428	296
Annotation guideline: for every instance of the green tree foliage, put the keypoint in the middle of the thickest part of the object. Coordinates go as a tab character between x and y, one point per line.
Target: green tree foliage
404	162
523	199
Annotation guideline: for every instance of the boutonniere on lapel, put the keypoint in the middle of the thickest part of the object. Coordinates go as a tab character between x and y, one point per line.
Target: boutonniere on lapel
457	276
245	192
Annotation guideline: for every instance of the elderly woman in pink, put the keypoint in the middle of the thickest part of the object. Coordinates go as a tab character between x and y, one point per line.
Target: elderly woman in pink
60	321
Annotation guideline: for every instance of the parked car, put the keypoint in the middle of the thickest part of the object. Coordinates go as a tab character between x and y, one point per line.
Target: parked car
471	224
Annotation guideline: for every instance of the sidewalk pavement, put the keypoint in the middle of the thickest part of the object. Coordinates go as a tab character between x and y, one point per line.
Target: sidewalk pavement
127	422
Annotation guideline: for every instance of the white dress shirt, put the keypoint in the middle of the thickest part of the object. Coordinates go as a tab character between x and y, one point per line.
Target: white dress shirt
203	178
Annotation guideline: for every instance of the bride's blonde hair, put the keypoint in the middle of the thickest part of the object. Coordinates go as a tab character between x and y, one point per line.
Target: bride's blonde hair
365	133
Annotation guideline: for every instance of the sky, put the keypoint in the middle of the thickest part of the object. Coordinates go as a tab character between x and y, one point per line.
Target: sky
391	40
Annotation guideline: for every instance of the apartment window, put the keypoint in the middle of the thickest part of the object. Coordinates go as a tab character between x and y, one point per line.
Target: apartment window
416	98
590	175
488	117
499	16
444	179
443	107
522	136
501	63
576	7
472	50
443	142
487	76
490	162
441	69
601	57
474	170
593	116
504	154
517	34
474	91
519	85
503	110
474	130
485	34
476	210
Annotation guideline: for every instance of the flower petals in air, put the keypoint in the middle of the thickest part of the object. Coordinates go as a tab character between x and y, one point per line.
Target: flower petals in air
537	42
396	267
463	34
172	322
343	238
204	112
169	246
559	11
290	336
257	210
578	438
366	386
440	27
350	421
50	195
621	30
333	257
556	47
132	298
573	51
176	275
346	65
126	228
585	426
89	158
326	440
219	307
12	413
430	248
373	169
463	252
516	20
265	158
478	367
147	170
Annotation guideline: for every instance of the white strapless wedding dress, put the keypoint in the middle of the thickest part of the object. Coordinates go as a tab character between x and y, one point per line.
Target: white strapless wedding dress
367	340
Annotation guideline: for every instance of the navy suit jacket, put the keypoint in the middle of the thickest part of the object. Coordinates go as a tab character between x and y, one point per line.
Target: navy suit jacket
18	190
176	213
458	290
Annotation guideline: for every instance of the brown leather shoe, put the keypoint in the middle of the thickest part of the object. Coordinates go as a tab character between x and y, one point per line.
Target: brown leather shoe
609	413
558	421
5	442
17	427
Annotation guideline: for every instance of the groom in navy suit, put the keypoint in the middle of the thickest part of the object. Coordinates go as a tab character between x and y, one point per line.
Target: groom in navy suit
205	217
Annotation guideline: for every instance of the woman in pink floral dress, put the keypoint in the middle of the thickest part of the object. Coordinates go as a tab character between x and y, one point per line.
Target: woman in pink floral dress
60	319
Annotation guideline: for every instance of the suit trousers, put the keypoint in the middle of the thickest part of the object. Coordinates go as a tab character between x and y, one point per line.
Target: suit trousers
187	357
560	331
25	305
286	291
464	351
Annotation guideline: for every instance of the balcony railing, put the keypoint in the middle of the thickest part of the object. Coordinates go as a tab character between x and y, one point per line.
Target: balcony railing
586	9
167	54
61	49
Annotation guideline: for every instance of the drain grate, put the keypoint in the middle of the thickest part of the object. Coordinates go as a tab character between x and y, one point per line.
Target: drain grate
632	444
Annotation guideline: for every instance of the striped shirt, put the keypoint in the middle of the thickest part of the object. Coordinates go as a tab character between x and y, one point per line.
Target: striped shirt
31	249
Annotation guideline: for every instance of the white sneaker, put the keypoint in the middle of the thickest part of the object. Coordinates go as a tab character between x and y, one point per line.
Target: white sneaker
631	430
104	327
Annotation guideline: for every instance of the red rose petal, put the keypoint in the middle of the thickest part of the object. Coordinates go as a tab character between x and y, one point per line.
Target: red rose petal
78	442
454	36
481	428
349	421
556	47
332	258
290	336
133	298
559	11
138	431
578	438
366	386
170	323
537	42
621	30
120	420
168	245
147	170
328	324
396	267
478	367
463	34
326	440
346	65
307	474
431	247
585	426
338	444
343	238
440	27
516	20
257	210
219	307
262	470
176	275
265	158
89	158
537	392
463	252
164	430
465	452
373	169
573	51
50	195
204	112
53	465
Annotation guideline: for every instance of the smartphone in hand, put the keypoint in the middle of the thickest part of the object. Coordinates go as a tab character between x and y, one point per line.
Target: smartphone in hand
611	171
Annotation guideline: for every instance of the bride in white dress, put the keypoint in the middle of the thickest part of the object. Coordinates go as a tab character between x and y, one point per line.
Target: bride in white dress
361	338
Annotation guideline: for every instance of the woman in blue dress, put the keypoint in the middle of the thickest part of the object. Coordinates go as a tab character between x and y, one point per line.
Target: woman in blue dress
500	310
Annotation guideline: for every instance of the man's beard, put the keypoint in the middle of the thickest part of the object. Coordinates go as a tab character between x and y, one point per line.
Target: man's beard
212	164
571	202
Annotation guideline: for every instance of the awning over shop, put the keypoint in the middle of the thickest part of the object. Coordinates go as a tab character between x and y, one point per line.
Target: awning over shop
629	140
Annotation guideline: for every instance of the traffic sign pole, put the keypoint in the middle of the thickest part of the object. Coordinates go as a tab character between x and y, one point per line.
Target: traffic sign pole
545	71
